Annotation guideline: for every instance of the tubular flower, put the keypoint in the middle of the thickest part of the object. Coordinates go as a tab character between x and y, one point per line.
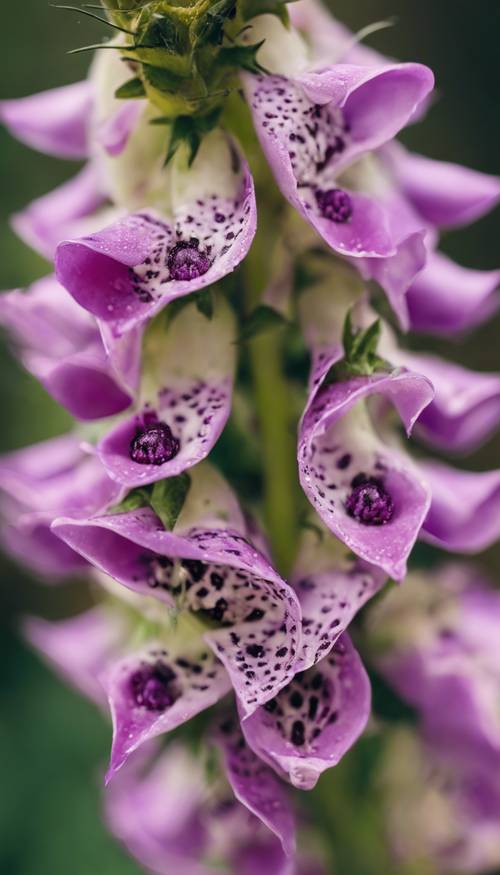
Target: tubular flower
229	566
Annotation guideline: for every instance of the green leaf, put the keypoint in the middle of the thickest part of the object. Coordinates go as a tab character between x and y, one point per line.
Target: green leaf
262	319
168	497
165	32
190	130
133	500
131	89
242	57
161	79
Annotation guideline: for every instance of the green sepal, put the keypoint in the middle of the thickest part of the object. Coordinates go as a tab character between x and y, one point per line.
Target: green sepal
168	497
134	88
242	58
165	497
263	318
190	130
162	79
165	31
360	353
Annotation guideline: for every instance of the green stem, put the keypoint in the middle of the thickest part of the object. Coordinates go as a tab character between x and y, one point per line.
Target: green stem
274	412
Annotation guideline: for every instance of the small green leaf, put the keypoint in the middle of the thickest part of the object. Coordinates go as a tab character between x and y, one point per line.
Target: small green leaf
131	89
162	79
190	130
133	500
168	497
208	29
242	57
263	318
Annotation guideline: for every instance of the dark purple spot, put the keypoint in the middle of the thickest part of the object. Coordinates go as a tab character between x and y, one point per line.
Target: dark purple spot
335	205
151	687
186	262
370	503
154	445
297	735
344	461
255	650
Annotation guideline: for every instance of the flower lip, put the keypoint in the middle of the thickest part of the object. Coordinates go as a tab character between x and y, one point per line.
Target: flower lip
369	502
334	204
185	261
154	444
151	687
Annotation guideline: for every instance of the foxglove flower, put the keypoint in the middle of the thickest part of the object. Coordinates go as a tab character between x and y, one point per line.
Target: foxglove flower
369	494
313	127
130	270
436	641
208	564
452	806
40	482
185	398
82	366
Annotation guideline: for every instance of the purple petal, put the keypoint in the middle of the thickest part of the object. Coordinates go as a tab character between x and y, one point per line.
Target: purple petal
79	648
311	128
55	122
314	721
220	574
465	410
446	195
465	511
54	216
130	270
329	599
61	345
256	786
189	377
339	456
113	134
28	538
154	691
447	298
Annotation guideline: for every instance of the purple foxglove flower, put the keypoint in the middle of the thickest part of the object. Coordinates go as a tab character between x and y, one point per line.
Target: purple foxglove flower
453	807
167	817
41	482
210	567
435	639
69	209
369	494
185	399
446	195
315	719
313	128
447	299
465	409
256	786
55	122
130	270
92	374
464	515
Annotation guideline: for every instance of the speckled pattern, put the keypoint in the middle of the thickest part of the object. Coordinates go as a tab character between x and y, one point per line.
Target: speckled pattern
313	721
195	684
195	412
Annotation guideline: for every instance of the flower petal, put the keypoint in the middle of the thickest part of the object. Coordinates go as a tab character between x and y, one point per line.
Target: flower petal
61	345
55	122
312	723
256	786
188	377
130	270
465	409
79	648
446	298
52	217
446	195
339	454
465	511
28	538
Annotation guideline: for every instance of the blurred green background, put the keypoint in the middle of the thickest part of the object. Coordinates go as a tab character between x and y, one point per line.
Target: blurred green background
52	743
